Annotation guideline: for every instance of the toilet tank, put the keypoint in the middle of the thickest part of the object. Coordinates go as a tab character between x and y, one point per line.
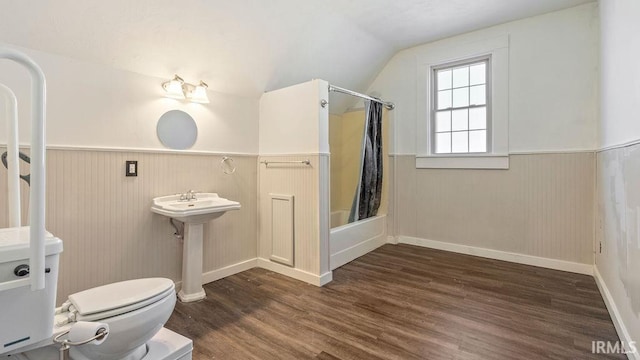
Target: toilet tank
26	317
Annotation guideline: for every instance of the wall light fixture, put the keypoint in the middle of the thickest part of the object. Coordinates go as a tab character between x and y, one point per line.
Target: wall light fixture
176	88
198	93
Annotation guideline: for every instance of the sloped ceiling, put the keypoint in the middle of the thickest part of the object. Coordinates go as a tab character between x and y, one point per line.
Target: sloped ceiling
246	47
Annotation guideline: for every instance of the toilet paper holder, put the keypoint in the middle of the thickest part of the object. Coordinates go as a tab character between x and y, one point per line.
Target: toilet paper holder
66	344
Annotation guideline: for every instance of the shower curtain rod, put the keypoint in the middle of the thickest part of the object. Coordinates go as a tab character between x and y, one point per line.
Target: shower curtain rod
388	105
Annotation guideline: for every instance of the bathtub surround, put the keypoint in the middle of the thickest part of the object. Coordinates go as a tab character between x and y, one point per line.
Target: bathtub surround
345	134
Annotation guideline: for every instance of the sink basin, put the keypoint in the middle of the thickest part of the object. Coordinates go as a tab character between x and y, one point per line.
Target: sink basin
206	207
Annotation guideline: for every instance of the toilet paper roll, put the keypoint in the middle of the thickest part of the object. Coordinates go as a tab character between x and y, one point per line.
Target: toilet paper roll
84	330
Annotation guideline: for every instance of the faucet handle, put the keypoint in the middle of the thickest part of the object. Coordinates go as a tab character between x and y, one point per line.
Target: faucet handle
191	195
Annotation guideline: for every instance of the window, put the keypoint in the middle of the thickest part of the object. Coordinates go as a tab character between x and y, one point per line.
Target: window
459	110
463	105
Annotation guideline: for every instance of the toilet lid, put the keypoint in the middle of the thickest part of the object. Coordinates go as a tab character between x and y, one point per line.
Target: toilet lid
119	295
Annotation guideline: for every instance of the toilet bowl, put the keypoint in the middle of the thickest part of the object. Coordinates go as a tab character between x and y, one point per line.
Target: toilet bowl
134	310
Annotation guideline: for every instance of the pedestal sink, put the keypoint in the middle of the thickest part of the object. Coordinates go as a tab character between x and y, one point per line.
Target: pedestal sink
194	210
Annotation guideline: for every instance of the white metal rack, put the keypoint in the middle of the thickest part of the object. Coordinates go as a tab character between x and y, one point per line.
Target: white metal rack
37	231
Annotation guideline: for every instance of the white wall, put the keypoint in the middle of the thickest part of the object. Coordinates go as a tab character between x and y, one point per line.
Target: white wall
290	122
553	81
540	210
620	121
619	168
92	105
294	126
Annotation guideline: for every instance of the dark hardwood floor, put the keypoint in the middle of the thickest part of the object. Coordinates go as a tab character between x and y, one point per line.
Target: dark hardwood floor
401	302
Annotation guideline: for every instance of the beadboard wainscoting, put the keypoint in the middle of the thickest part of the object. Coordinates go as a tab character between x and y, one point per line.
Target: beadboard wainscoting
110	234
618	238
542	207
307	185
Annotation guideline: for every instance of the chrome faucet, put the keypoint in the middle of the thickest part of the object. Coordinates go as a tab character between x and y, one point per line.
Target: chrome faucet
188	196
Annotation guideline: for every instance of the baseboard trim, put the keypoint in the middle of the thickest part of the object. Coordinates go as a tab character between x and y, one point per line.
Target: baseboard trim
555	264
392	239
313	279
217	274
618	323
351	253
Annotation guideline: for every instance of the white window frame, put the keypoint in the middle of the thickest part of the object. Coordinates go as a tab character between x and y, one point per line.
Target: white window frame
497	155
434	91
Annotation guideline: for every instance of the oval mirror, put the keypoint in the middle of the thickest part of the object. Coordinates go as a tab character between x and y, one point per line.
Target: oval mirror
177	130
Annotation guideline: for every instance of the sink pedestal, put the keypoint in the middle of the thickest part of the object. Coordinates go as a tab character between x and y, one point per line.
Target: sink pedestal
193	210
192	264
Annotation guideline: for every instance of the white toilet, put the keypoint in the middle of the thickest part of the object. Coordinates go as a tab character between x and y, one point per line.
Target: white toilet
134	310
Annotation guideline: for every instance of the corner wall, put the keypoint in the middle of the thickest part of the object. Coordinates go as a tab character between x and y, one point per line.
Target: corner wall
541	208
618	222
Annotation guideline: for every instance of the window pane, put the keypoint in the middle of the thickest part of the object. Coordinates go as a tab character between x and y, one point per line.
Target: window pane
478	74
478	118
461	77
443	121
478	141
460	142
443	143
461	97
444	79
444	99
459	120
478	96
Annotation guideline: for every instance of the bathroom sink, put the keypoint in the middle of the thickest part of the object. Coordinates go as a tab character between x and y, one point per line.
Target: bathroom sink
194	210
201	209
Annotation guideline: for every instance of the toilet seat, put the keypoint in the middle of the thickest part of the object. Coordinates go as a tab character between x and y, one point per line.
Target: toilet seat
118	298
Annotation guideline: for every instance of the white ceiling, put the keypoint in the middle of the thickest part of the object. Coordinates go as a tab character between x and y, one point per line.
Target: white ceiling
246	47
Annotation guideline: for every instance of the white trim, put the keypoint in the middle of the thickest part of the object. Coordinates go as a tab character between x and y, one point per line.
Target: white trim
362	248
463	162
295	154
213	275
392	239
619	146
324	213
618	322
530	152
498	86
313	279
551	152
586	269
139	150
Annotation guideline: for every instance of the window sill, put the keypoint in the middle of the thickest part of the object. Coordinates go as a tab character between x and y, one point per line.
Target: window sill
498	162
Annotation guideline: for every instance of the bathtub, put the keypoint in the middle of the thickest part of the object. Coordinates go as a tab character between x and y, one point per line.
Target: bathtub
349	242
339	218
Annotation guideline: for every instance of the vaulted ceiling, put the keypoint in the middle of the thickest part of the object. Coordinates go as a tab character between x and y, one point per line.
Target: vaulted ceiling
246	47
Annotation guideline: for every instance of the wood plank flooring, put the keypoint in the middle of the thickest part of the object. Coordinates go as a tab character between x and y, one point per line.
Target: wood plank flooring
401	302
